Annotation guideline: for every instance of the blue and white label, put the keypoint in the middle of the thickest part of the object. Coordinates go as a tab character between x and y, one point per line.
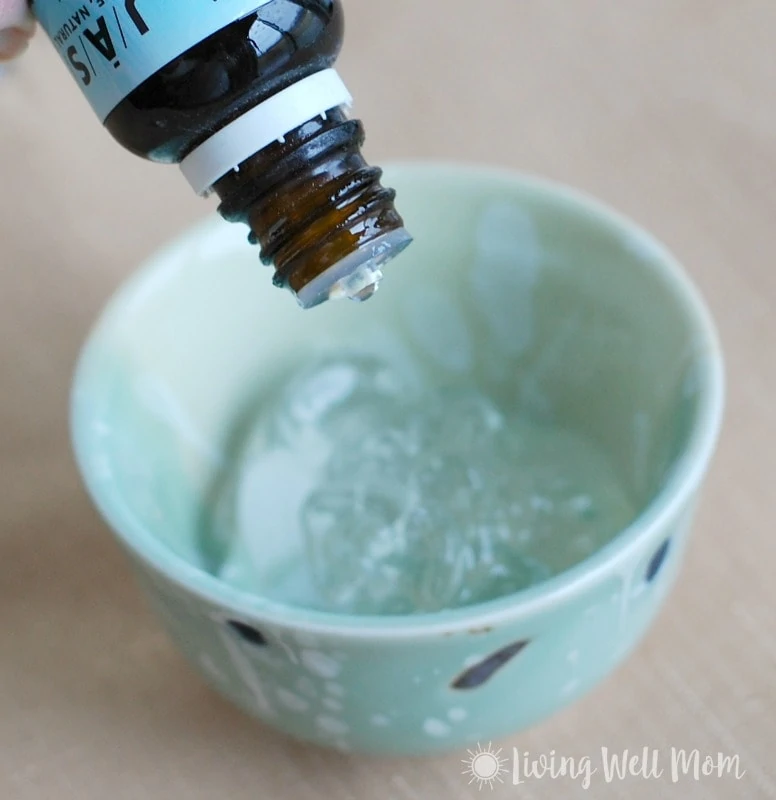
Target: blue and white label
112	46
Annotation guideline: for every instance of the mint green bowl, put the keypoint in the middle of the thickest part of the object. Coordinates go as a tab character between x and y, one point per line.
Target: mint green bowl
553	304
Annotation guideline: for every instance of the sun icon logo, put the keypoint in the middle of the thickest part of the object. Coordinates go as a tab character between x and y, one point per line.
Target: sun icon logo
485	766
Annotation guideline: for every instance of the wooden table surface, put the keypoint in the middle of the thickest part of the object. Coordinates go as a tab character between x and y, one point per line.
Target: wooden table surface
663	108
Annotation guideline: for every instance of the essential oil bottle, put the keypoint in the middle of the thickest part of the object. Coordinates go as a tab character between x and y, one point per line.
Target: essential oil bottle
243	95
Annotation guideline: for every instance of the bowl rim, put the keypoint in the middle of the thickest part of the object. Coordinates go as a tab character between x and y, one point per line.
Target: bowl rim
686	475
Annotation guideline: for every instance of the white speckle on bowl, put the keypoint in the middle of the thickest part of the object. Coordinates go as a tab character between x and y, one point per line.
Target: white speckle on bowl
292	701
247	673
332	703
306	639
539	503
269	659
573	656
306	686
230	572
436	728
335	689
581	503
417	680
209	668
292	657
457	714
470	661
332	725
320	664
380	721
570	687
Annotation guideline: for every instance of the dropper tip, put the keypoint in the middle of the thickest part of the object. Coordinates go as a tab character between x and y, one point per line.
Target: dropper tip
357	276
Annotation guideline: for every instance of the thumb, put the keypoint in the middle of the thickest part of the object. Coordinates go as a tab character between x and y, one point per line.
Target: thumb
16	28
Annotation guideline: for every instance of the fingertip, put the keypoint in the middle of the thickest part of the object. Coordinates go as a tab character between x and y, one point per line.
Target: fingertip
13	42
16	14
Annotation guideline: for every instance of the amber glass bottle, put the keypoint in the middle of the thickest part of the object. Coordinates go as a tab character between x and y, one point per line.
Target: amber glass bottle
243	95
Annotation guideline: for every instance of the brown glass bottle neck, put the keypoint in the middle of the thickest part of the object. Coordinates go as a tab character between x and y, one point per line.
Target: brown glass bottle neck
311	200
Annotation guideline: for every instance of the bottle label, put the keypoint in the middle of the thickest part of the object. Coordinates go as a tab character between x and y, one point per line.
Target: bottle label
112	46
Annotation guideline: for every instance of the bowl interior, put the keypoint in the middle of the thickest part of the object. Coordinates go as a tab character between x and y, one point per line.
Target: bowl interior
549	303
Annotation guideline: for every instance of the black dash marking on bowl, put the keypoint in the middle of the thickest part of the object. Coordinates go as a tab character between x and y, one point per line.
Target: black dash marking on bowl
657	560
247	633
477	675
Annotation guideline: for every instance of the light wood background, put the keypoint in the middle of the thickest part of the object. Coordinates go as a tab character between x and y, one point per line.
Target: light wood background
665	109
